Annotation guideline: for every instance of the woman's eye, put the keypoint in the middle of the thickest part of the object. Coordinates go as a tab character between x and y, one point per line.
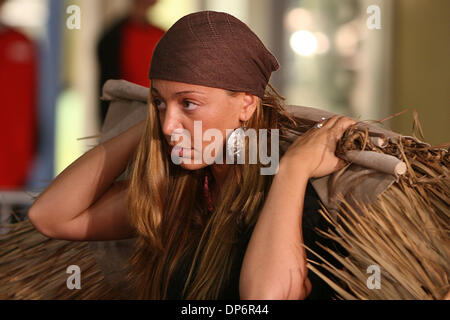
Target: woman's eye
158	103
186	103
190	105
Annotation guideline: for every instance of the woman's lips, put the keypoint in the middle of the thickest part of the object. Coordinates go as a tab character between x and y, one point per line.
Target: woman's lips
180	152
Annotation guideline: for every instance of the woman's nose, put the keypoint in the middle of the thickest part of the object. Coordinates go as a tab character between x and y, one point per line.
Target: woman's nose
171	122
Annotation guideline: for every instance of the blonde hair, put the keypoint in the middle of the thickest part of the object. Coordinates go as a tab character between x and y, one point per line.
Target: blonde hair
165	206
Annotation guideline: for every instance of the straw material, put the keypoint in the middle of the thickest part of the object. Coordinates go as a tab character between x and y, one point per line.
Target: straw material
33	267
405	232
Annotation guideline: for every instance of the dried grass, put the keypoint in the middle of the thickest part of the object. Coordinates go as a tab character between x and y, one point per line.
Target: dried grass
33	267
405	231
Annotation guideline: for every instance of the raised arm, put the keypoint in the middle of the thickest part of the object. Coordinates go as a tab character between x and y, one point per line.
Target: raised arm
274	265
84	202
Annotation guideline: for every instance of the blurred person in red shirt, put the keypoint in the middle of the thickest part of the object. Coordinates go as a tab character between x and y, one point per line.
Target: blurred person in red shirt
125	50
18	105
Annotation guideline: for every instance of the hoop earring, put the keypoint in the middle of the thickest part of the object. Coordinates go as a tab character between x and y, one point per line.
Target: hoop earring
236	142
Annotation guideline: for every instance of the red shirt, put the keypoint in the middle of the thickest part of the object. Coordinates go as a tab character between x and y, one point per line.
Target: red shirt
137	44
17	108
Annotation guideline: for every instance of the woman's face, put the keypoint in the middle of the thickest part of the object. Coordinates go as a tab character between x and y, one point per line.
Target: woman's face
180	104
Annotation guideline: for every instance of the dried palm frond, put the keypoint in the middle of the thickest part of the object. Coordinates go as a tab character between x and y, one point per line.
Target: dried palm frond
33	266
405	233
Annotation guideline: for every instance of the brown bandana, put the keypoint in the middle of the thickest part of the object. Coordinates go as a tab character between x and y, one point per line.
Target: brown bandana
213	49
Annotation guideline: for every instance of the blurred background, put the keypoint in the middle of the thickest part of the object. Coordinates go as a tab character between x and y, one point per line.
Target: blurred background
366	59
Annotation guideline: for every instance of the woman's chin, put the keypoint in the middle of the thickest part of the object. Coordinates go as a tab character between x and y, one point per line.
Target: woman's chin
192	166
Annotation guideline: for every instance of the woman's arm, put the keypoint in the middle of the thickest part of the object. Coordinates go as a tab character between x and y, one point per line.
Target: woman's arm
274	265
82	196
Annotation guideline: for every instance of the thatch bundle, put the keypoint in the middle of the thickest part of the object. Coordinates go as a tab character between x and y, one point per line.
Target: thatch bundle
404	233
33	266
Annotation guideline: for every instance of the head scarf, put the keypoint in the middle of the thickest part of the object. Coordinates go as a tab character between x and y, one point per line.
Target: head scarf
213	49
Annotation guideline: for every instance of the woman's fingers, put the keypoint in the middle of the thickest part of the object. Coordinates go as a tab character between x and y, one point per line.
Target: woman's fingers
337	121
342	124
339	126
318	145
336	125
329	123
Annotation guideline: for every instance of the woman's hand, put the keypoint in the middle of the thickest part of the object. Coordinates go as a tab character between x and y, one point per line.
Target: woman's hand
314	151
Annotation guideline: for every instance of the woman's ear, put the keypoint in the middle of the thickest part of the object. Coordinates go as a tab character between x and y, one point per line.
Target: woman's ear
249	104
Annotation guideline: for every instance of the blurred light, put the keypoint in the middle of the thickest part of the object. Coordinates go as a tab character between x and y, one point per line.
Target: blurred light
69	127
303	42
165	13
346	39
237	8
323	44
298	19
24	13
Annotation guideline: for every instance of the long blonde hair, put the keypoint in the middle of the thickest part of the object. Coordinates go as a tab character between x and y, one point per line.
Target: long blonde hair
166	207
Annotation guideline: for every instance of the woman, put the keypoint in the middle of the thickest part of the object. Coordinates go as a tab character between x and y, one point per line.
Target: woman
204	230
